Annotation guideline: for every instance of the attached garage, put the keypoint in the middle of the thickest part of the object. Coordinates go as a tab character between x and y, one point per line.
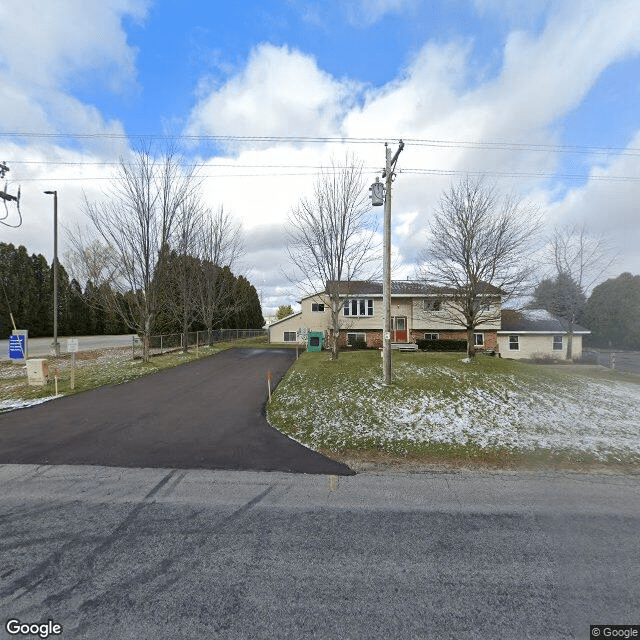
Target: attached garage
535	333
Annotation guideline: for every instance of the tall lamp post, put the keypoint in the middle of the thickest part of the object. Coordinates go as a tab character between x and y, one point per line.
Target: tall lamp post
55	346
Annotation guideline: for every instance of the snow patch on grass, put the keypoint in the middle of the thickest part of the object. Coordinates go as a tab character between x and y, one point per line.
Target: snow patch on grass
12	405
461	406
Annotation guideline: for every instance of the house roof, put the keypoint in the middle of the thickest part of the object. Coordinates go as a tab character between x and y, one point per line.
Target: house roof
398	288
293	315
535	321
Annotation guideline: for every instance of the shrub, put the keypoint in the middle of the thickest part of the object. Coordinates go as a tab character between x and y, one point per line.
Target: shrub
543	358
358	344
590	358
442	345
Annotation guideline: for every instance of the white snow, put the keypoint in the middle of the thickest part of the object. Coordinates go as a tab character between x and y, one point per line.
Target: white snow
567	414
11	405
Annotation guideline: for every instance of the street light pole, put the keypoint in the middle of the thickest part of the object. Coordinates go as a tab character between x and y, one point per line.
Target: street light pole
55	345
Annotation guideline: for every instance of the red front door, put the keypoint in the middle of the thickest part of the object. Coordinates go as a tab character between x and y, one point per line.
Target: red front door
399	329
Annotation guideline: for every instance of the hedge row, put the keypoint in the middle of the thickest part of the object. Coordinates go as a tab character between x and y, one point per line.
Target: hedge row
442	345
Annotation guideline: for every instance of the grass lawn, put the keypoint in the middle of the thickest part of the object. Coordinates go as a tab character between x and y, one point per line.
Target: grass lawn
97	368
495	410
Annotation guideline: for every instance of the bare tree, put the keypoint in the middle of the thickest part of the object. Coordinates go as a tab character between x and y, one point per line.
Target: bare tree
182	267
131	234
478	253
580	258
220	248
331	238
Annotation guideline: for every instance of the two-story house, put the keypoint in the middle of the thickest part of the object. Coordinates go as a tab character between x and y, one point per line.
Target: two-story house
418	311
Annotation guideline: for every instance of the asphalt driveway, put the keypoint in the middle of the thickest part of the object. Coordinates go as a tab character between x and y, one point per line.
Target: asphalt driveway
208	414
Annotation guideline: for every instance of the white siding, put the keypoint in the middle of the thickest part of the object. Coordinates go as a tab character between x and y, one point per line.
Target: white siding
537	344
443	321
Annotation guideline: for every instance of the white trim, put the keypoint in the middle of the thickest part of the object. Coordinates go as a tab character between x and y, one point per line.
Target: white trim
293	315
504	332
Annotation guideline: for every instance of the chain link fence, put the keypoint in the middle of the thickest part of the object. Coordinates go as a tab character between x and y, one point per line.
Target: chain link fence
175	341
624	361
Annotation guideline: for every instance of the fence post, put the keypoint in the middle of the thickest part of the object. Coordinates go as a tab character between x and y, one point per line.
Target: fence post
613	361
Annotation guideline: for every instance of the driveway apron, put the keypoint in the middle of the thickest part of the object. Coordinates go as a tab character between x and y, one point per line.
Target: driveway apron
208	414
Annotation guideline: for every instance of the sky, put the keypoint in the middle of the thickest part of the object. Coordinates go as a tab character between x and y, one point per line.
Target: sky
539	96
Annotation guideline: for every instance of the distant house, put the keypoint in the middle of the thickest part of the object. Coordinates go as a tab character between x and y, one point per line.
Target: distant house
418	311
535	332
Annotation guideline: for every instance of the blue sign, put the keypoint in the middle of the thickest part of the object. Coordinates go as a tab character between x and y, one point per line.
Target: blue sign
16	347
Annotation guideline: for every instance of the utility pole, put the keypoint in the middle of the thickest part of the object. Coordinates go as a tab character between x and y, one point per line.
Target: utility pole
389	173
55	345
7	197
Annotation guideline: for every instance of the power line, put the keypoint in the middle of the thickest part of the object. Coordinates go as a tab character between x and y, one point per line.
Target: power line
521	174
428	142
437	172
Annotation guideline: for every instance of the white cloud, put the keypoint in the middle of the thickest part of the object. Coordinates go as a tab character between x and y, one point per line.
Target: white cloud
543	77
45	47
281	92
47	43
607	207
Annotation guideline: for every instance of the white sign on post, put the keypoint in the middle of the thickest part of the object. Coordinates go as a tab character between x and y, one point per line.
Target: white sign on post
72	348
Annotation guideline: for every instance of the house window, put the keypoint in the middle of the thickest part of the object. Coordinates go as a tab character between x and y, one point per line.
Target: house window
557	343
356	337
431	304
360	307
431	336
317	306
478	339
290	336
514	345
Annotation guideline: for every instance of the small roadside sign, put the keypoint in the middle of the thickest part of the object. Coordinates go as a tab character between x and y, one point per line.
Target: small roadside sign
72	345
16	347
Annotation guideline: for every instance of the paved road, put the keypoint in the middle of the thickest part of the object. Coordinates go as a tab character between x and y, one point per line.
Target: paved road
162	553
208	414
41	347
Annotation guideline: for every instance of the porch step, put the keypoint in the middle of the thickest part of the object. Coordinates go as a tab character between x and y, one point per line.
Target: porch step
404	346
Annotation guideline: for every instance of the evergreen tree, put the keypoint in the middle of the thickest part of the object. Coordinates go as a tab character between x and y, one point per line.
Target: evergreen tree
79	312
561	297
612	313
284	311
40	286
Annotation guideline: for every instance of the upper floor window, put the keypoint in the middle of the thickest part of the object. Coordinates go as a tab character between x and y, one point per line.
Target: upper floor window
360	307
432	304
317	306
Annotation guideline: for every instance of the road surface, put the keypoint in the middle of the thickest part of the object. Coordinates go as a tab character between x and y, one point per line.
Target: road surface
163	553
41	347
